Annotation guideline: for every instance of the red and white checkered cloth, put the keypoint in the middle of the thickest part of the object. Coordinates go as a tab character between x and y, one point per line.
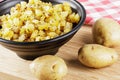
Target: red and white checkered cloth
96	9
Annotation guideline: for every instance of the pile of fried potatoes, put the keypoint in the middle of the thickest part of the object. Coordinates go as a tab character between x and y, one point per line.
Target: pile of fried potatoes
37	21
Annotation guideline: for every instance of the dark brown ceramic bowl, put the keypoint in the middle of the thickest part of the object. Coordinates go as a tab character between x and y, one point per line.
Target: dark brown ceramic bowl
31	50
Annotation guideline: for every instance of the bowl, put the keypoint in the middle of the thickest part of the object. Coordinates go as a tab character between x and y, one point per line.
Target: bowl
31	50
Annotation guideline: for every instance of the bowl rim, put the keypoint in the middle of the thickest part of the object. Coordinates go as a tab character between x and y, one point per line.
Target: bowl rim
82	19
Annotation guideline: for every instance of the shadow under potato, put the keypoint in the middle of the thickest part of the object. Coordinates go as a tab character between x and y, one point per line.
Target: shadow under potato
86	38
77	64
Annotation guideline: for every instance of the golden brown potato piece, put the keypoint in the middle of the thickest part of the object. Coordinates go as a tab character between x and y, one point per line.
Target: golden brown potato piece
49	67
106	32
37	21
97	56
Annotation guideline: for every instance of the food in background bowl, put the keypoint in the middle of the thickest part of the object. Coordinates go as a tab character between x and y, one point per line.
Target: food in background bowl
31	50
37	21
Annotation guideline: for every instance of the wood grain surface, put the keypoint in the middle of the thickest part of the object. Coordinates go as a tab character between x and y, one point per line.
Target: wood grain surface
14	68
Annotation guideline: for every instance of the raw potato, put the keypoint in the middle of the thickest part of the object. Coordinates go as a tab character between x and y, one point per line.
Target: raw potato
49	67
97	56
106	32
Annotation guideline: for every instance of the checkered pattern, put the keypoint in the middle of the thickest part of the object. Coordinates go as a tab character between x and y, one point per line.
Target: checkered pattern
96	9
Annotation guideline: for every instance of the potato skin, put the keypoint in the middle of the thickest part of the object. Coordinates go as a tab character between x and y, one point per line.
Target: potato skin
106	32
97	56
49	67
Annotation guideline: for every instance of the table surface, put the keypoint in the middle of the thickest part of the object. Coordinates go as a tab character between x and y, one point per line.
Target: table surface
14	68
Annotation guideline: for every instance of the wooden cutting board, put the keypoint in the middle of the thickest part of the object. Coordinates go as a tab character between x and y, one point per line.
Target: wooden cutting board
14	68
